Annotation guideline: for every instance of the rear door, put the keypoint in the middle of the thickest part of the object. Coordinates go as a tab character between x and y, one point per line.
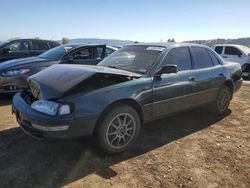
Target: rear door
208	75
17	49
38	47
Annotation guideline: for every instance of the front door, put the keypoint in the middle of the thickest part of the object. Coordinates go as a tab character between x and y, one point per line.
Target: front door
17	49
171	92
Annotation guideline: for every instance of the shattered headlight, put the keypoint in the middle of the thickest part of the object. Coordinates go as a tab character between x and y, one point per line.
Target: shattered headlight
51	107
15	72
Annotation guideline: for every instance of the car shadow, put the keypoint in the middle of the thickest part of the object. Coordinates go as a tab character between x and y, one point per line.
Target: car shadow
27	162
6	99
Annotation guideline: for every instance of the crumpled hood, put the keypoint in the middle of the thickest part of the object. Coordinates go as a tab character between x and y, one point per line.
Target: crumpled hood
21	61
54	81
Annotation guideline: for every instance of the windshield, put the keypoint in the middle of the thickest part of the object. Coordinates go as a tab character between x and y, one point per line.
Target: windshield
56	53
3	43
137	59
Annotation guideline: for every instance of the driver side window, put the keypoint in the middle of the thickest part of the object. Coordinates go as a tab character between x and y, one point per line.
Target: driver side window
83	54
18	46
179	56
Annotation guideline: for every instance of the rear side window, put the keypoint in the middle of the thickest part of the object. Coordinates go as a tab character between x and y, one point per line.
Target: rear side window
202	58
38	45
108	52
179	56
214	59
53	44
218	49
99	51
232	51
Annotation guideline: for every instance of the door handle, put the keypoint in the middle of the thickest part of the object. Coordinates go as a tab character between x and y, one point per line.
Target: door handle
191	78
224	56
221	75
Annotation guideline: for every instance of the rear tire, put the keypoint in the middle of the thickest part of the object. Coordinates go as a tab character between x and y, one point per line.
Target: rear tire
118	129
221	104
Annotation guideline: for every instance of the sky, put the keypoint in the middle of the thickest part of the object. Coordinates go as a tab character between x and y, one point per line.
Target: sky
136	20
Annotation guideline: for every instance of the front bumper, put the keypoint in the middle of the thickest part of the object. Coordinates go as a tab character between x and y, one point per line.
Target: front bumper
237	84
40	125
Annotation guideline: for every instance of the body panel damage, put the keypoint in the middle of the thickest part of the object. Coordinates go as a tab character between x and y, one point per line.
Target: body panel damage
62	80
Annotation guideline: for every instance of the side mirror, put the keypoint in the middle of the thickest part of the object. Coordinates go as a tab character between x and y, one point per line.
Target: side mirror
167	69
6	50
239	55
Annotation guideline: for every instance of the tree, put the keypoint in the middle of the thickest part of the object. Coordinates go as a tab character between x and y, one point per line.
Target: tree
171	40
65	40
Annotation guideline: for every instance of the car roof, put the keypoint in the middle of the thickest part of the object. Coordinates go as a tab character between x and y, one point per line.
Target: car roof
169	44
42	40
32	39
245	49
74	45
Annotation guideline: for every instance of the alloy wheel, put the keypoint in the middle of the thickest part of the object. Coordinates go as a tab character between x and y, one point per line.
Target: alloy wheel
223	100
121	130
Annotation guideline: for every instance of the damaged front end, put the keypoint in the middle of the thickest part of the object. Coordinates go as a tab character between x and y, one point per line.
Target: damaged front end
45	111
48	87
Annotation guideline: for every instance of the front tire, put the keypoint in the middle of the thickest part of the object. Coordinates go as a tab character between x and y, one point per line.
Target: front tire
223	99
118	129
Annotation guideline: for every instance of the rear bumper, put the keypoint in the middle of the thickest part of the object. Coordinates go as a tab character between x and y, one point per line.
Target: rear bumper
40	125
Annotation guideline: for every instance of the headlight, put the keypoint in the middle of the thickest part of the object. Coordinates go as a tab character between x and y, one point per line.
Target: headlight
15	72
64	109
50	107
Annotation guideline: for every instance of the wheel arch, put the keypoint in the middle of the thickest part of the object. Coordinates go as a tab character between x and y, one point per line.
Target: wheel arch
229	84
132	103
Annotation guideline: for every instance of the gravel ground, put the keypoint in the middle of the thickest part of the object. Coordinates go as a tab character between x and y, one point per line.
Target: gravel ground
190	149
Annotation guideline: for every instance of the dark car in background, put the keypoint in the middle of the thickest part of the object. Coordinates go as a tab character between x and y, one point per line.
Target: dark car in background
134	85
20	48
14	73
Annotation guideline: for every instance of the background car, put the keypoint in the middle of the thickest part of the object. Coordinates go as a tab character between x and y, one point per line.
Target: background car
14	73
24	48
235	53
134	85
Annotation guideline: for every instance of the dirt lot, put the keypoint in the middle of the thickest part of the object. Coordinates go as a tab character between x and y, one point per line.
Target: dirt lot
191	149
